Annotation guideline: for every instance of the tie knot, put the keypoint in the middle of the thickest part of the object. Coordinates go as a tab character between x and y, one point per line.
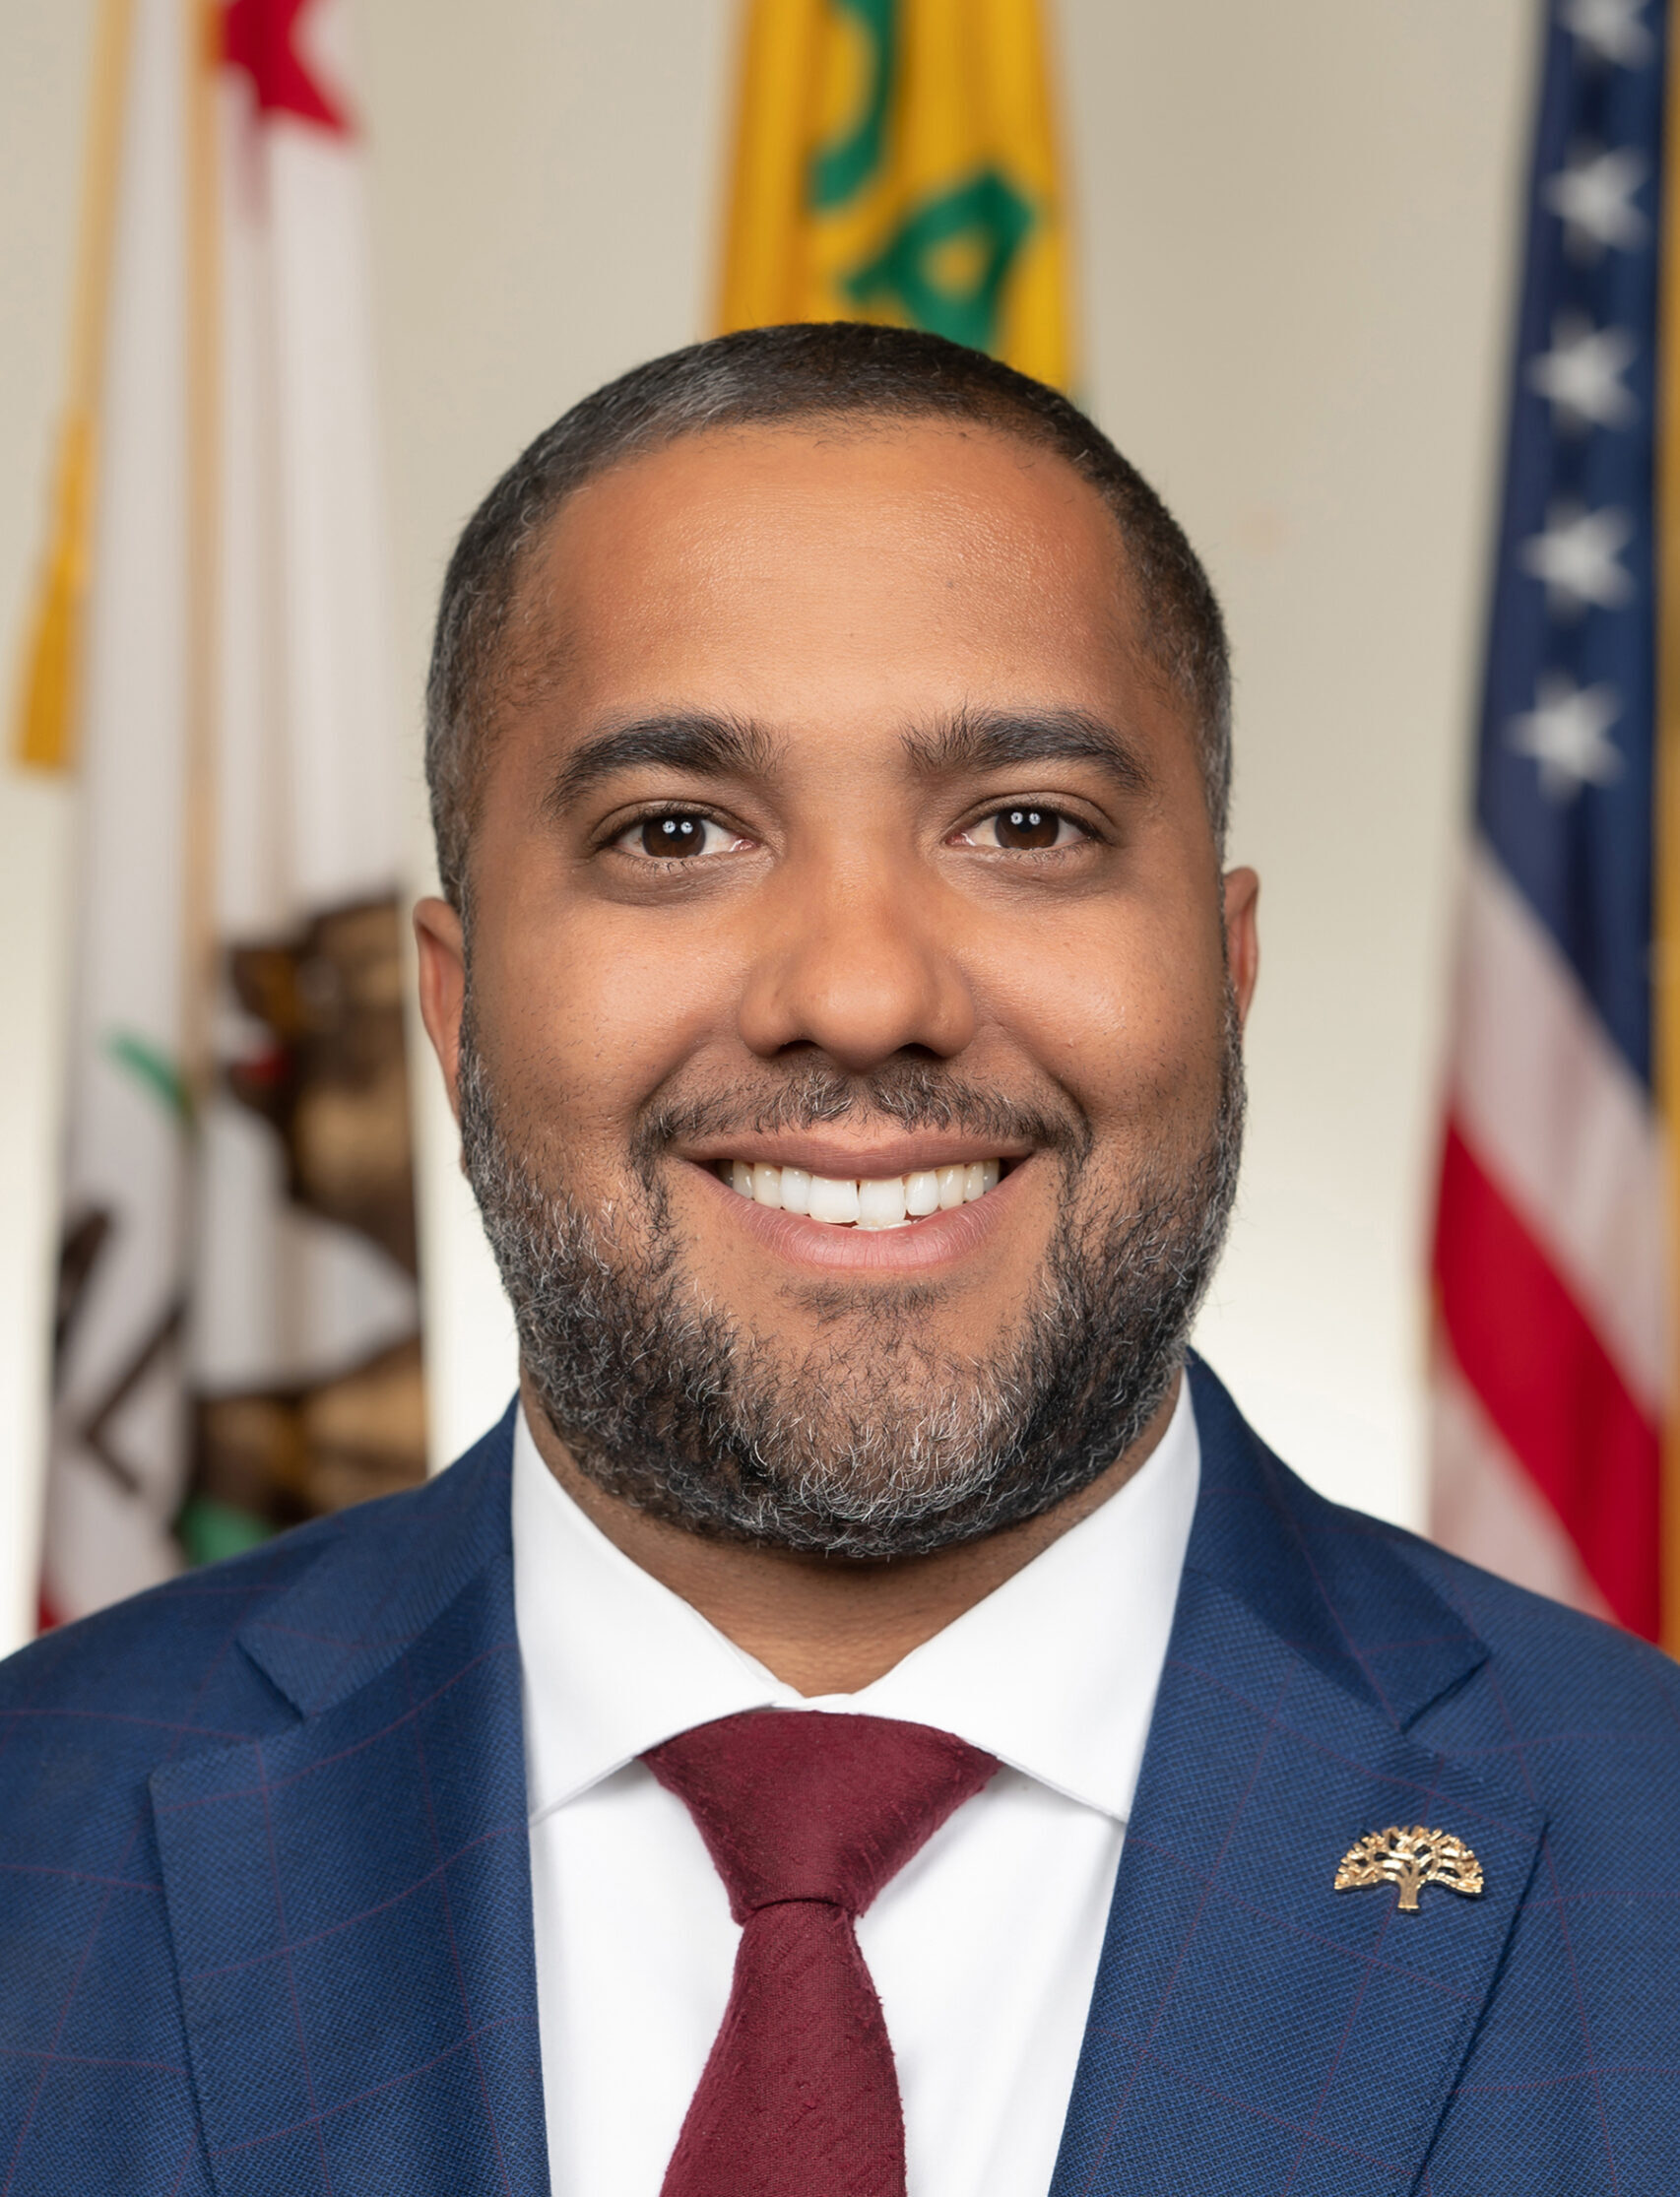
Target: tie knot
795	1805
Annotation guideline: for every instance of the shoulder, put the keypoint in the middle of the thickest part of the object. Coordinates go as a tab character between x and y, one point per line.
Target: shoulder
1439	1645
1395	1599
1555	1666
125	1688
92	1714
1586	1716
88	1714
99	1704
1548	1663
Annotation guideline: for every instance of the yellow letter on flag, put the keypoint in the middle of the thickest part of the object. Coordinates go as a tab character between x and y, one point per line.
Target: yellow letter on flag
895	161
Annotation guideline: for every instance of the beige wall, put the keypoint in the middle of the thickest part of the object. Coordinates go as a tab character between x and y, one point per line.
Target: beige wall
1297	240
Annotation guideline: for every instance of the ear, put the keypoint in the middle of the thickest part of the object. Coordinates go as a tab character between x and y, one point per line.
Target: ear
1242	936
443	987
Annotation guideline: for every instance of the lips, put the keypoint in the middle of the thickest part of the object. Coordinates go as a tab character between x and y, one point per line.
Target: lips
862	1202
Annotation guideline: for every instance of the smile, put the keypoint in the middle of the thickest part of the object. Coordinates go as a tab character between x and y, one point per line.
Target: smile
862	1202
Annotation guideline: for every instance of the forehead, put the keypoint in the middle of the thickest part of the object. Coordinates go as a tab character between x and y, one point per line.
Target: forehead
809	567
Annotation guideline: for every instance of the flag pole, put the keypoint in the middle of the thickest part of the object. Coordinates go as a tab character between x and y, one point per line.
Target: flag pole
46	731
1667	913
204	431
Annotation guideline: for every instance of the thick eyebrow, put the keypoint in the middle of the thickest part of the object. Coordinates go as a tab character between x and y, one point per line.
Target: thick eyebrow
978	739
699	745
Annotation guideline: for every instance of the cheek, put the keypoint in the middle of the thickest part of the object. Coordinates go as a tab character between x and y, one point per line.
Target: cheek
583	1010
585	1023
1126	1010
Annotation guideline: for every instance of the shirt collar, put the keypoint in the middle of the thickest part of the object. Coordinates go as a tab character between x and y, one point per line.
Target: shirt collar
1055	1673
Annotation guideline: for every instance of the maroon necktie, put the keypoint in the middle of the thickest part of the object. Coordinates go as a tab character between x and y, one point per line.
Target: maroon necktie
806	1816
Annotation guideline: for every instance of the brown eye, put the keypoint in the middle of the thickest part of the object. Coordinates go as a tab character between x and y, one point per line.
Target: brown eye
1027	827
675	834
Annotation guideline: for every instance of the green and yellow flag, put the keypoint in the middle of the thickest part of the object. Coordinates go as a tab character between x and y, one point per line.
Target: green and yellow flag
895	161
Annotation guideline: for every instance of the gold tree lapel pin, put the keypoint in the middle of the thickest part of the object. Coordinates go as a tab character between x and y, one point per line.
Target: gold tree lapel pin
1410	1859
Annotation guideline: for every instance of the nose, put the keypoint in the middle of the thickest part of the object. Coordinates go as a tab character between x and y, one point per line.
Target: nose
855	960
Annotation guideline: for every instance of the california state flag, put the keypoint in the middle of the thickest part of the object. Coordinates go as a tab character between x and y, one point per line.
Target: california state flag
237	1335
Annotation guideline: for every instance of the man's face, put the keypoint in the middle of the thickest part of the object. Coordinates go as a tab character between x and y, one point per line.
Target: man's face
839	829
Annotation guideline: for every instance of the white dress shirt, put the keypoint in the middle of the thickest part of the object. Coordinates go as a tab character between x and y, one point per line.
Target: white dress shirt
983	1948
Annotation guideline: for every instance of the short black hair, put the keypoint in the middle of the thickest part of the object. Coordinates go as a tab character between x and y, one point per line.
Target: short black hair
761	376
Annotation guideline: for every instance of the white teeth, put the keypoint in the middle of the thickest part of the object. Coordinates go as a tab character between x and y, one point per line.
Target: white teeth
880	1203
922	1193
874	1201
833	1202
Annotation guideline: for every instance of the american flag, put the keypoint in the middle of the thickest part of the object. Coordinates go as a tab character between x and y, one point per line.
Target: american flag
1555	1362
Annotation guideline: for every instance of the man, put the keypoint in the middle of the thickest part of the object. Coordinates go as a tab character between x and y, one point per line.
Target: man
869	1719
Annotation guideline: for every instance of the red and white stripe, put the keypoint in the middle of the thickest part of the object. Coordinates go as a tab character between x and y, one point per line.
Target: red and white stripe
1551	1382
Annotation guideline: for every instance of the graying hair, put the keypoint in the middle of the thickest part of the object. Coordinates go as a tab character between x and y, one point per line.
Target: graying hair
876	1445
819	370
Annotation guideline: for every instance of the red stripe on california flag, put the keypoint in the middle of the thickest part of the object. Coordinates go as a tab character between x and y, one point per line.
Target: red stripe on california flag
1547	1384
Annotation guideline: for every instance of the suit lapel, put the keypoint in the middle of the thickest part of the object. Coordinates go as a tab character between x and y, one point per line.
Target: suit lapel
350	1901
1250	2027
351	1907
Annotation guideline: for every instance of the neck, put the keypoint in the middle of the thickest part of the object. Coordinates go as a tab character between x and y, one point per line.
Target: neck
828	1624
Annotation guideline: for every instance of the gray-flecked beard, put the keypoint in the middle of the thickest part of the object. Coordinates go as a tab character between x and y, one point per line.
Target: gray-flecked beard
876	1444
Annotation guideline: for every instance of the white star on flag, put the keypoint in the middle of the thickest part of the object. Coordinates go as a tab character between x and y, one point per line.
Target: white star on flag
1567	734
1581	373
1613	30
1578	557
1592	197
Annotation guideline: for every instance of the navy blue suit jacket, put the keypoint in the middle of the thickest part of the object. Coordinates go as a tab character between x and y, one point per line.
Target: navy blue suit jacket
265	1908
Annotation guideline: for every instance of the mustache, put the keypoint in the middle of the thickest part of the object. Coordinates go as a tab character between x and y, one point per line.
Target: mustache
814	1095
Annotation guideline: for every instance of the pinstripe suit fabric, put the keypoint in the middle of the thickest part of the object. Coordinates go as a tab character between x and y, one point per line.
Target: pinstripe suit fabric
265	1915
